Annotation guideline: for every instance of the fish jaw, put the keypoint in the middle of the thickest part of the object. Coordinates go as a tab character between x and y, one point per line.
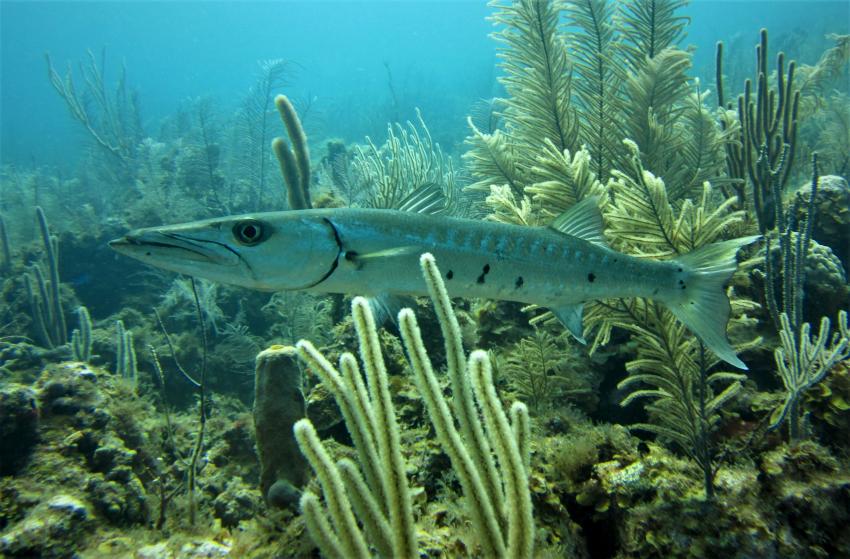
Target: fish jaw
184	253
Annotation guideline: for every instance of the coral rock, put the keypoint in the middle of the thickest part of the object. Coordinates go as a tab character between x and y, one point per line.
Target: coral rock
832	204
52	529
18	426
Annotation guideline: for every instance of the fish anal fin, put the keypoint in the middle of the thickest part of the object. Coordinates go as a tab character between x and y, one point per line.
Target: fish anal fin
570	317
385	307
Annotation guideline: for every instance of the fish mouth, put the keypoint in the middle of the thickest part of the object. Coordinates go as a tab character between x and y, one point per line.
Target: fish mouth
153	245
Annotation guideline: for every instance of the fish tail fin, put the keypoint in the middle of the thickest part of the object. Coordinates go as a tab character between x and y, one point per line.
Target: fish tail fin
704	307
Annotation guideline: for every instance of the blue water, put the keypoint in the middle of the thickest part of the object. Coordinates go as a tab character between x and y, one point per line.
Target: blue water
439	54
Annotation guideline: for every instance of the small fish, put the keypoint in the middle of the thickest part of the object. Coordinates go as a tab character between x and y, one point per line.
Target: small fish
376	252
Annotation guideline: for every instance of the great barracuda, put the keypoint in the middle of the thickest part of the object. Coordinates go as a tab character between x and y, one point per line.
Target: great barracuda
376	252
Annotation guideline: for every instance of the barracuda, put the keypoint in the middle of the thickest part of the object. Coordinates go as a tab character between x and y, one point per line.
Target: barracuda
376	252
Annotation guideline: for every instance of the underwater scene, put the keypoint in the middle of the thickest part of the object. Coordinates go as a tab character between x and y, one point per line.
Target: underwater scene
421	279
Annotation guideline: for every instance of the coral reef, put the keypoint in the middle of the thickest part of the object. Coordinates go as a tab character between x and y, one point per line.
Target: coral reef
141	417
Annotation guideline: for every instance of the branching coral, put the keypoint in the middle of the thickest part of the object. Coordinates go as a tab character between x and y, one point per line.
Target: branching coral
564	180
48	315
686	396
642	218
300	315
112	121
537	76
830	69
648	28
803	362
255	127
294	159
537	369
598	77
493	161
764	149
376	489
655	91
834	136
407	162
81	337
630	82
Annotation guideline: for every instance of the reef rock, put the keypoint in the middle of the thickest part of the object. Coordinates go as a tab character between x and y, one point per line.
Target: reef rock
18	426
832	206
52	529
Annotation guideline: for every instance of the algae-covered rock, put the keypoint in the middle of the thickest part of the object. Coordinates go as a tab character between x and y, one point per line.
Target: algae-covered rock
18	426
236	503
24	359
825	283
832	208
828	402
196	549
808	490
121	501
69	388
53	529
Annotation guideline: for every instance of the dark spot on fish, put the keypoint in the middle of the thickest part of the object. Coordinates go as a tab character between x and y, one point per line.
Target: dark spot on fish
147	254
518	283
450	274
684	287
484	271
591	277
680	269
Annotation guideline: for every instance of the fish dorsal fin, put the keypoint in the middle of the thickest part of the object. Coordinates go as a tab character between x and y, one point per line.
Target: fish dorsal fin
428	199
583	220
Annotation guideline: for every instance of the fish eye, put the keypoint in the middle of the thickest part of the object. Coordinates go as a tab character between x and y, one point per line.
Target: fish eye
249	232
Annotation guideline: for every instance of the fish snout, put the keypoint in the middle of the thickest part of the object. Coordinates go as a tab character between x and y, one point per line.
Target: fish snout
155	246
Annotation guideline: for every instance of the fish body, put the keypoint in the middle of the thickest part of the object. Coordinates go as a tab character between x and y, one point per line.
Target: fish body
376	252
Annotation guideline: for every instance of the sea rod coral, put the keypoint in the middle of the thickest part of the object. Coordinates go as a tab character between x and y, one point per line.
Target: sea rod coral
375	491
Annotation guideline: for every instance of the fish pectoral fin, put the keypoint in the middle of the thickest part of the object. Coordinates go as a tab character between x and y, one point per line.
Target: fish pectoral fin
359	259
570	317
385	307
583	220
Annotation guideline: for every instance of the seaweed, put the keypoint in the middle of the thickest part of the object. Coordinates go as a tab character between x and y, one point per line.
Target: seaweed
408	161
686	397
254	127
112	119
537	369
649	27
537	77
596	50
